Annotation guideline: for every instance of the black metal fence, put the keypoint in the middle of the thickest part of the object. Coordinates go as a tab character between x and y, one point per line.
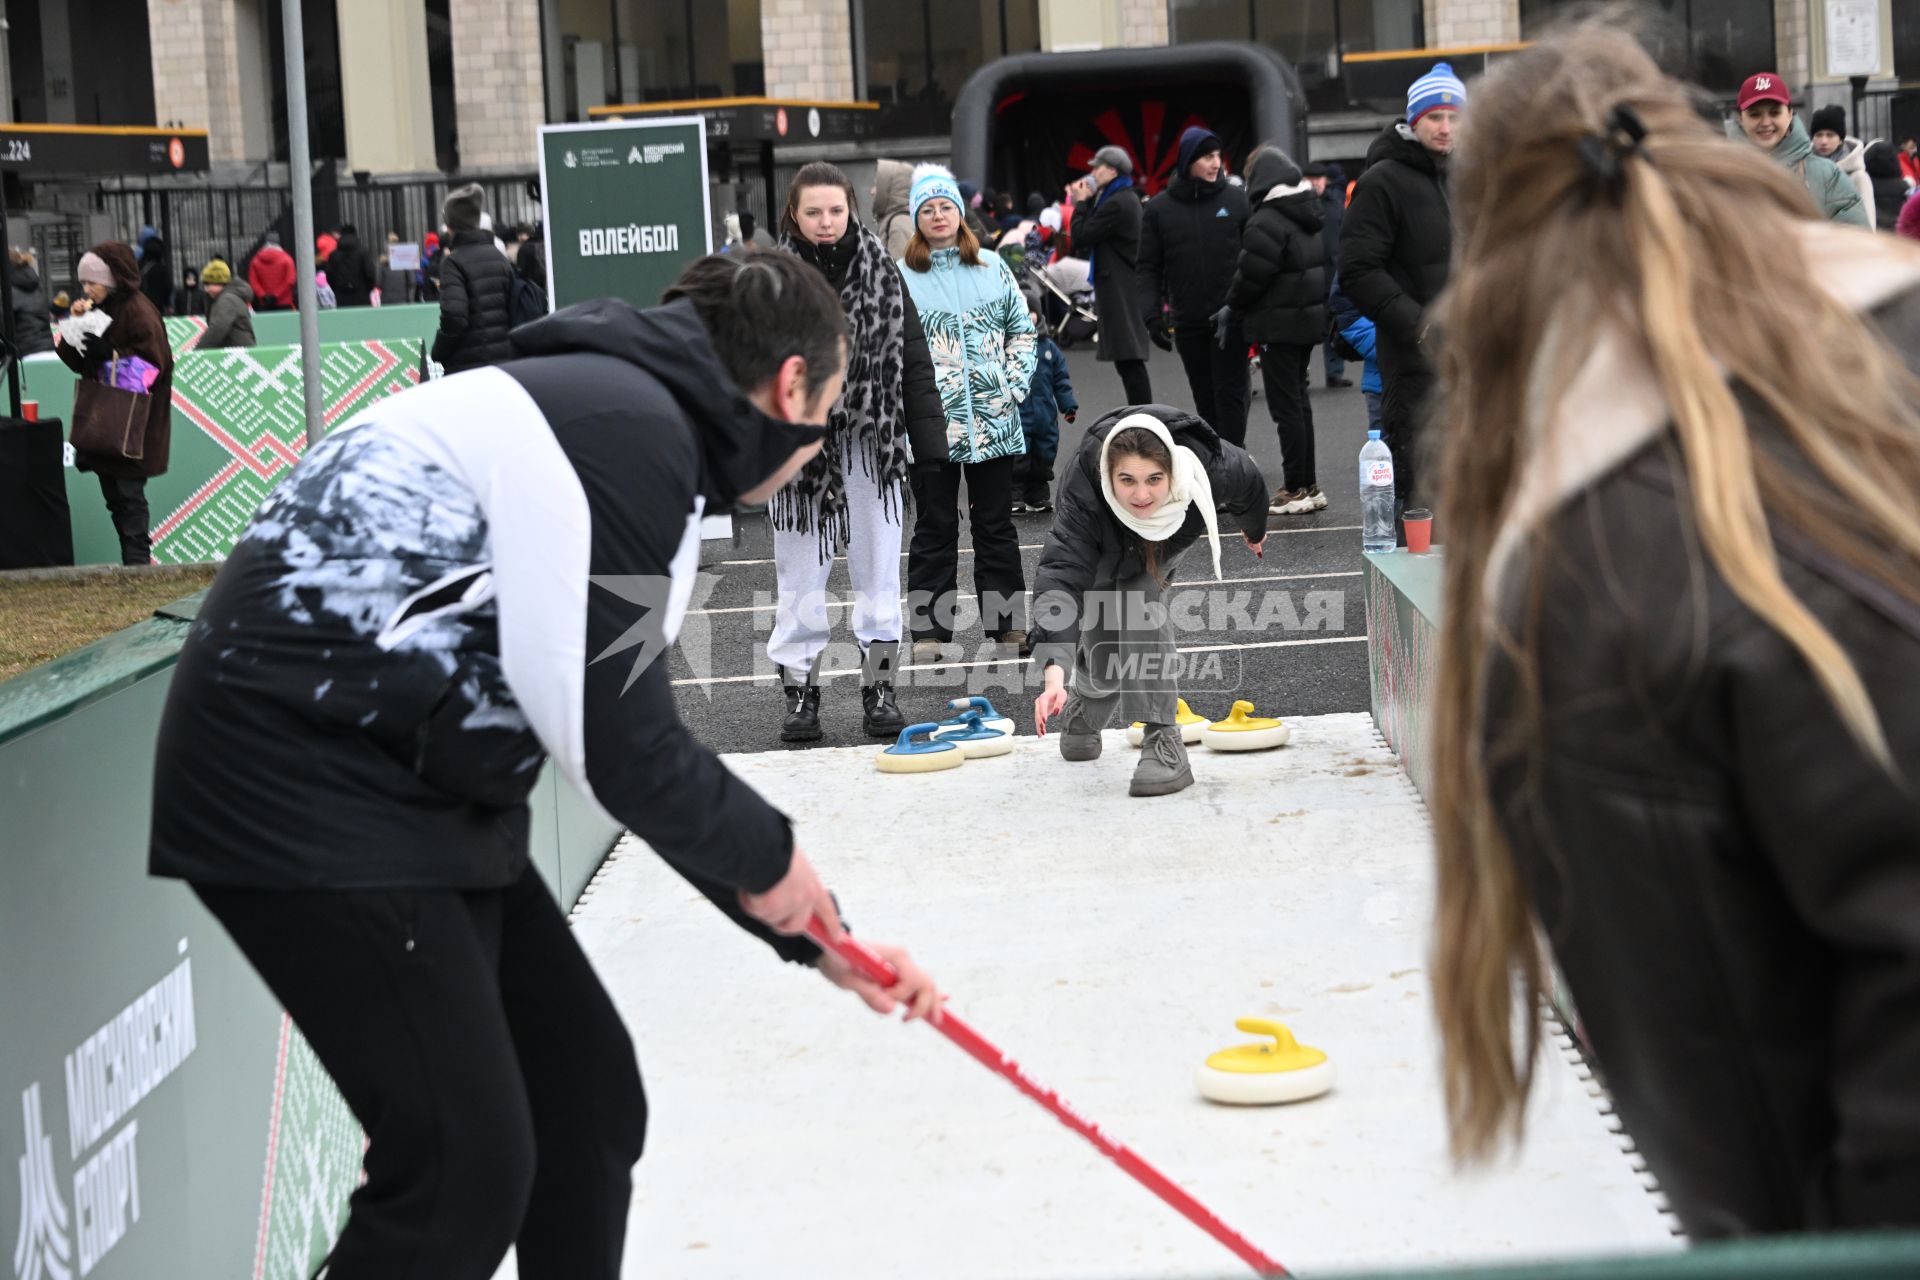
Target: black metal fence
200	223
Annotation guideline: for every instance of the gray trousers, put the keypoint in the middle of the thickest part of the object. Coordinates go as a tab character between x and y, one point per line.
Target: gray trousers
1127	664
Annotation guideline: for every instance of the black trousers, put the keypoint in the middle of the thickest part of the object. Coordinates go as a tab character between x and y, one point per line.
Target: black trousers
127	504
495	1080
1406	406
1221	383
1134	380
933	557
1283	370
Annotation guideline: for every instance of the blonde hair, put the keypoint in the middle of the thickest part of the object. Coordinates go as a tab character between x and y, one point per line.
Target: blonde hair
919	254
1689	247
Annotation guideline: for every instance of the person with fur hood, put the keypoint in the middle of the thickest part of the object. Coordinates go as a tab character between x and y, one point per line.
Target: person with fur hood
1279	295
892	187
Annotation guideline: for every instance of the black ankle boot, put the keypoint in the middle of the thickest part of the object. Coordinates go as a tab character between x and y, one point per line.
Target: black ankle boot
803	710
880	714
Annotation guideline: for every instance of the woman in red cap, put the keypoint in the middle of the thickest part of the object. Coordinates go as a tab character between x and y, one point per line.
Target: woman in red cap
1767	118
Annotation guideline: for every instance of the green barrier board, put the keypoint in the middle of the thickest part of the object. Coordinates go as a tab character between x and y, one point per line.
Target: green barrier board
342	324
239	423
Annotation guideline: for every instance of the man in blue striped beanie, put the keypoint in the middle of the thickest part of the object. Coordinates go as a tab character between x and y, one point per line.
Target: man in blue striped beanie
1396	243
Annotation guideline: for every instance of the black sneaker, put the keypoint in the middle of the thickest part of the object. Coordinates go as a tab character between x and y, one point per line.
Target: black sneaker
1039	501
880	714
1020	507
803	711
1338	384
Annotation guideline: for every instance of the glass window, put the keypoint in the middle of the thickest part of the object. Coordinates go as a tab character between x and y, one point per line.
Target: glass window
579	37
1191	21
1714	43
1310	34
613	51
326	114
1906	40
919	53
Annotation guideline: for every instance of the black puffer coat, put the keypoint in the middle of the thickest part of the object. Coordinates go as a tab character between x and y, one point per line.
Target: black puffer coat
351	272
1397	239
476	303
1189	243
1089	548
1730	886
1110	234
1280	286
31	332
1889	188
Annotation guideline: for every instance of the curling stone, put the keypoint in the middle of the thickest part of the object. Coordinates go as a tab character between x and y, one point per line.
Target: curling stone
976	741
1191	727
1256	1075
1244	731
988	716
924	756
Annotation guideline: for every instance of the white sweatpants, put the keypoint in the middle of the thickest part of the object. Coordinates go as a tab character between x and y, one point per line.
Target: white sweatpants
802	623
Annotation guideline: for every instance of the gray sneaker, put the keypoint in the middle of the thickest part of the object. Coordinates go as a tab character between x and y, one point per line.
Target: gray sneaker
1163	767
1079	734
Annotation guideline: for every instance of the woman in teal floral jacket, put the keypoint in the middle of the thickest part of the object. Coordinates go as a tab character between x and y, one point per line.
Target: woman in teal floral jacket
982	343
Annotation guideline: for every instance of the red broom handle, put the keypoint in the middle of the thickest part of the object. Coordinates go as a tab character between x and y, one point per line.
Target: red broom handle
871	965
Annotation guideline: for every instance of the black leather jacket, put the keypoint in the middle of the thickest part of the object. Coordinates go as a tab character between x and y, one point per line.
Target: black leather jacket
1731	887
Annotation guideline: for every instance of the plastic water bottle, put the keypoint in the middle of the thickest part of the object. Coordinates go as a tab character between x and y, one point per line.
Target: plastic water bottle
1376	495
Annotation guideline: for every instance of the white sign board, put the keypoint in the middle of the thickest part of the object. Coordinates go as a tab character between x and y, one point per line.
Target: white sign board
1854	39
403	257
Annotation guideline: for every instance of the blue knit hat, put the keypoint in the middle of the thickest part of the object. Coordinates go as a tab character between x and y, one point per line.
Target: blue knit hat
933	182
1439	89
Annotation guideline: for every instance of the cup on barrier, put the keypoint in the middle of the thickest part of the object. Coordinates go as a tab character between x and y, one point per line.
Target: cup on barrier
30	410
1419	526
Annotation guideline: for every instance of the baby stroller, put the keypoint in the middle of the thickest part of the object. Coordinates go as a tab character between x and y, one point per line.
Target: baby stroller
1063	295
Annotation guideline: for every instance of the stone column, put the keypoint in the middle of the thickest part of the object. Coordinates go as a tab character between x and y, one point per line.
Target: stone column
208	73
1464	24
808	48
1070	25
383	81
498	93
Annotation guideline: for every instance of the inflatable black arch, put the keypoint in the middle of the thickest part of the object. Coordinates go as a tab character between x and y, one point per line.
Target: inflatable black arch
1275	104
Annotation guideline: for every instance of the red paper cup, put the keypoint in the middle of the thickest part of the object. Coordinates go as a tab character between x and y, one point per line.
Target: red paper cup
30	410
1419	526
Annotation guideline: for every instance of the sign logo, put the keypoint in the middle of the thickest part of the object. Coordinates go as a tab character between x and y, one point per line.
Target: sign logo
1763	83
43	1248
634	157
813	121
176	152
573	161
780	122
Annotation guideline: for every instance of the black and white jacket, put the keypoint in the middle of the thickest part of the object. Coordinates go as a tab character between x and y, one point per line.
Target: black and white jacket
470	577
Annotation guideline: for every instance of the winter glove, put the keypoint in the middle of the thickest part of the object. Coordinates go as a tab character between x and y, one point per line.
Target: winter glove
1160	331
1222	326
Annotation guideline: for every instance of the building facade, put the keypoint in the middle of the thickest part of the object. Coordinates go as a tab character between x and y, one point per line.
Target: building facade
423	87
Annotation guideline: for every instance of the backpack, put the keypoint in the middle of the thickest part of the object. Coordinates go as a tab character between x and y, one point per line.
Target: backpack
527	303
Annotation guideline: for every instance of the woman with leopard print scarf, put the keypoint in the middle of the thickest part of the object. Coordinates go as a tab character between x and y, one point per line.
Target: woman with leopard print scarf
853	494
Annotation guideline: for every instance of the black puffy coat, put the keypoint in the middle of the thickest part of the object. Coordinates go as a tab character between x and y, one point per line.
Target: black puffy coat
31	332
1889	188
1280	284
1189	243
1729	885
476	303
351	272
1397	239
1110	234
1089	548
156	274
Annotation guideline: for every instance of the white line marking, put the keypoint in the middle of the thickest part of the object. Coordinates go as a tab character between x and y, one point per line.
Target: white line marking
769	678
1178	587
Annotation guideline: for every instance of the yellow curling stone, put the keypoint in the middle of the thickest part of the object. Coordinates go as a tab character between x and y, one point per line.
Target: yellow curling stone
1191	727
1271	1071
1244	731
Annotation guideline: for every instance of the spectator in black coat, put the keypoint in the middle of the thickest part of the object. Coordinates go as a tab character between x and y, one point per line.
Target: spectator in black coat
1394	250
1189	246
156	274
476	289
31	332
351	271
1330	184
1279	292
1106	232
1889	188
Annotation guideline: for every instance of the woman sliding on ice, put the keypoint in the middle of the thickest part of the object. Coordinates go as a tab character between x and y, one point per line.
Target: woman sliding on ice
1146	483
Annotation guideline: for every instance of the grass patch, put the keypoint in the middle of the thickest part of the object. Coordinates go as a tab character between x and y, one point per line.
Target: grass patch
42	619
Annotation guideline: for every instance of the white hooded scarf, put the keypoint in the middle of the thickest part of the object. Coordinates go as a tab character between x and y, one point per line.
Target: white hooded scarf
1190	488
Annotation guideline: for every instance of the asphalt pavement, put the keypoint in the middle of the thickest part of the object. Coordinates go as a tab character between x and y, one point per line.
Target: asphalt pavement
1286	631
